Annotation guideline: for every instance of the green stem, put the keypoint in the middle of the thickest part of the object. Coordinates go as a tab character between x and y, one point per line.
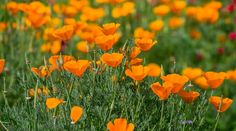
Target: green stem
31	41
218	114
4	126
35	108
114	97
162	111
4	92
69	93
171	116
35	94
217	120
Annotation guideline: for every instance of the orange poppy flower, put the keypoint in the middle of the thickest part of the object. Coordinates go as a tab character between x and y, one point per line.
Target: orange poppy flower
87	36
161	10
201	82
191	11
120	124
42	71
154	70
48	34
77	67
214	5
75	114
45	47
231	75
112	60
206	14
2	63
218	101
141	33
70	21
12	7
83	46
188	97
53	102
156	25
37	13
79	4
110	28
136	61
178	6
178	81
192	73
145	44
3	26
137	72
65	33
58	61
92	14
215	79
162	91
69	11
126	9
56	47
81	25
135	52
105	42
175	22
88	32
37	21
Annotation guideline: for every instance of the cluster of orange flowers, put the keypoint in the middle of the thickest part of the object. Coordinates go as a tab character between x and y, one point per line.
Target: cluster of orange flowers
213	80
207	13
36	13
69	63
174	83
120	124
106	36
76	111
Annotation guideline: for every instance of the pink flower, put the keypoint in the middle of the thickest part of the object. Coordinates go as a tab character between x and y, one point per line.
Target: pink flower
230	8
232	36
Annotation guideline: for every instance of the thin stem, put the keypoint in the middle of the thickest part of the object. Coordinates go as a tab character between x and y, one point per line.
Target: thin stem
35	109
138	86
4	126
69	93
202	119
218	114
217	120
113	101
4	92
162	111
35	94
31	41
171	116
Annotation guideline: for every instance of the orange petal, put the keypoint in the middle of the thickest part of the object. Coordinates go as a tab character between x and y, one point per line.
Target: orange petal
2	63
53	102
75	114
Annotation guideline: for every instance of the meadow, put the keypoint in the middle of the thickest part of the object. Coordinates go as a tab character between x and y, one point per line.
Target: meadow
118	65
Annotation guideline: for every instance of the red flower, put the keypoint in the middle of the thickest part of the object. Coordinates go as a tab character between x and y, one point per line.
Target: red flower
232	36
